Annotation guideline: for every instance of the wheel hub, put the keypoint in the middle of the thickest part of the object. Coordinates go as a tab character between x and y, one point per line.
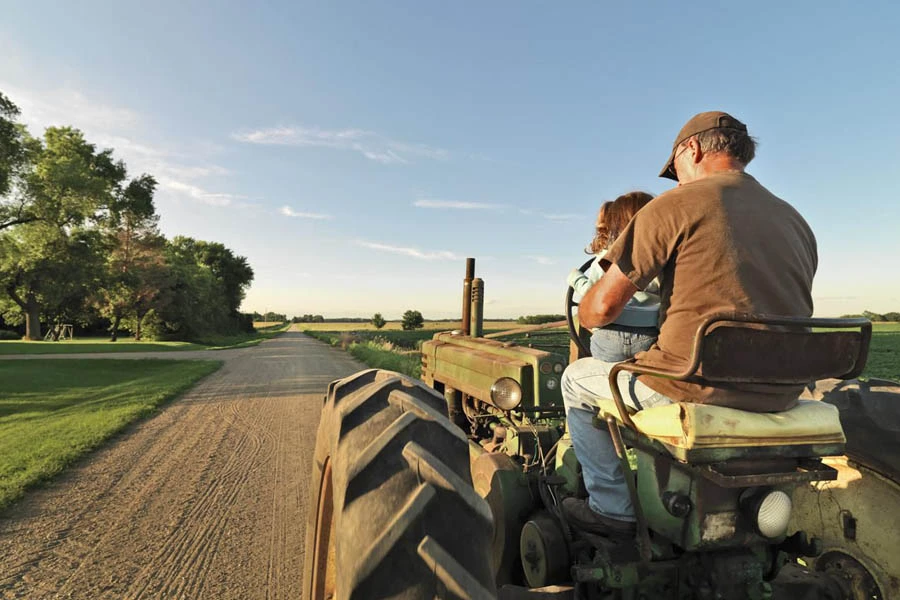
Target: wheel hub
854	579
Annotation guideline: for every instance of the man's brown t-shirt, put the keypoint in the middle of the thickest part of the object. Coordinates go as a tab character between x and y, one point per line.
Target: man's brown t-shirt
722	243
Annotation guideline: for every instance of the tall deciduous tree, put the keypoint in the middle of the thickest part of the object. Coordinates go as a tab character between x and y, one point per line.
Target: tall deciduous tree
47	264
16	151
208	283
134	281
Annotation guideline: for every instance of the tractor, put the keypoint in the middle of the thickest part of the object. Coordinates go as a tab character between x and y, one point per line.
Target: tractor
450	486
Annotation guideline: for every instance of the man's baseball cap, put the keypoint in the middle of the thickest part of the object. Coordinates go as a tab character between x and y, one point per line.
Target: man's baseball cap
705	121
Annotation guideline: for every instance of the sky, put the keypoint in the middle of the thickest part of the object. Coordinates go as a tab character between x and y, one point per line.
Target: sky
357	152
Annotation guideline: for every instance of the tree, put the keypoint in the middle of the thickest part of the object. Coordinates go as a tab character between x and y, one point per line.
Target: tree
232	272
16	153
207	286
134	281
539	319
47	264
412	319
378	321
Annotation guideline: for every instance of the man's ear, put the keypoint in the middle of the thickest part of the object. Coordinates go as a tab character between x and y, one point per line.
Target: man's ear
696	152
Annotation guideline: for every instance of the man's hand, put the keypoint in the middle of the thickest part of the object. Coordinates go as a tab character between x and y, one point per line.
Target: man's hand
604	302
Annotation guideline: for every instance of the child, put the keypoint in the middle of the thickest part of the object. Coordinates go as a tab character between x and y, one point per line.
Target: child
636	329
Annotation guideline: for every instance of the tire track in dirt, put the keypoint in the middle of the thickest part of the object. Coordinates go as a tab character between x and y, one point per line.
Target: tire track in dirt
207	499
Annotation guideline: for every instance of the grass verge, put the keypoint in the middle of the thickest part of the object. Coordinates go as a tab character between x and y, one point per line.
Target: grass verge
243	340
378	354
52	412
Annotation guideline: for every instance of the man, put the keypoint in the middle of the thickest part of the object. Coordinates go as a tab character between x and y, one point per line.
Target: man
719	241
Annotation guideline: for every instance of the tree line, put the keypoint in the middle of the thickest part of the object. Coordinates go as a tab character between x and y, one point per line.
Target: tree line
80	244
874	316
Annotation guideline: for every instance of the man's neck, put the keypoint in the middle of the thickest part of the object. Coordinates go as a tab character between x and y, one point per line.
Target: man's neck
719	163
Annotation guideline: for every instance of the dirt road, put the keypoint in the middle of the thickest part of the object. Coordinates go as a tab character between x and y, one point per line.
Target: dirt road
206	500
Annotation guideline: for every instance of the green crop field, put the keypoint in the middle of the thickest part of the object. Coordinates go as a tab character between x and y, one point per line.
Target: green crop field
431	326
54	411
883	362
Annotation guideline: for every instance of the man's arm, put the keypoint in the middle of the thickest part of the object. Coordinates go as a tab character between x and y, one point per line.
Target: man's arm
606	299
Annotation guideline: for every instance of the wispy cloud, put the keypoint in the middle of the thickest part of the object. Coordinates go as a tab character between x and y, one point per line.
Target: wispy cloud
542	260
549	216
368	143
429	203
199	194
179	171
290	212
411	252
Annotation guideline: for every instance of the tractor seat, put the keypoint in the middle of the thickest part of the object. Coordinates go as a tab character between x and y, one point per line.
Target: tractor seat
700	433
734	347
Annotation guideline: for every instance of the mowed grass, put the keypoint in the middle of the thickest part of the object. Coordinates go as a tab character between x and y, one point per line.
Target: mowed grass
85	345
127	344
54	411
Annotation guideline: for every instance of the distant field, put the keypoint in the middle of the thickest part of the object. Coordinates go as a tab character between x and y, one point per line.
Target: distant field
397	326
883	362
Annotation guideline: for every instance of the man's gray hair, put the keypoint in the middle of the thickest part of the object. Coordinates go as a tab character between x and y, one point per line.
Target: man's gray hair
738	144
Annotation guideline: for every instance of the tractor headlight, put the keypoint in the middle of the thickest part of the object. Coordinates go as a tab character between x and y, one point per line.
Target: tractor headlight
558	368
769	510
552	383
506	393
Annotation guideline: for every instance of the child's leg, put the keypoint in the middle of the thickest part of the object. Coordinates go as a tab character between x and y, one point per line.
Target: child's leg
616	345
610	345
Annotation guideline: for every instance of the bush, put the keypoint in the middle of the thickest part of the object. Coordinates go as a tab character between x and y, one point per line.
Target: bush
539	319
5	334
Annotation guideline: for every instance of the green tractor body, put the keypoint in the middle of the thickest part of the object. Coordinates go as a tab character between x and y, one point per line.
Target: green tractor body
702	538
729	505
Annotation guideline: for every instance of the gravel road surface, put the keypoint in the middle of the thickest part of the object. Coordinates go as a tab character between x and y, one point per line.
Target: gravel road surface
208	499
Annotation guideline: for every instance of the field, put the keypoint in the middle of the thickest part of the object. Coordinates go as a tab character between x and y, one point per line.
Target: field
883	362
884	353
53	411
397	326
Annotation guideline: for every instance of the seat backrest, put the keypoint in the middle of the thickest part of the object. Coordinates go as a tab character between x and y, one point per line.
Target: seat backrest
748	348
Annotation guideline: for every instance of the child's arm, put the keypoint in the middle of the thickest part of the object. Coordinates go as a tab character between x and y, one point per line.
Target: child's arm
582	282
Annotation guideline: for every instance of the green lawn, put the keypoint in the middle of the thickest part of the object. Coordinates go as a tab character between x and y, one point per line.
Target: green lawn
125	344
54	411
884	353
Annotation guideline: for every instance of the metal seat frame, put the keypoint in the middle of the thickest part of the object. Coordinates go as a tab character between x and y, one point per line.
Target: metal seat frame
746	348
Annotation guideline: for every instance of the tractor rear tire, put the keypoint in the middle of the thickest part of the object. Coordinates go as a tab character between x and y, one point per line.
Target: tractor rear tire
393	511
856	517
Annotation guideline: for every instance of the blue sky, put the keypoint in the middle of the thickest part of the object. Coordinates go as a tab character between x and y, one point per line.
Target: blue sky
357	152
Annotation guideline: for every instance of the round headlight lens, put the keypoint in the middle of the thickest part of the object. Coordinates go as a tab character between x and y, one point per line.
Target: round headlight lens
552	383
771	512
545	368
506	393
558	368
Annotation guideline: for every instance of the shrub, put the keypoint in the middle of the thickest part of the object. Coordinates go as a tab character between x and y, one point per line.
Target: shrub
5	334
